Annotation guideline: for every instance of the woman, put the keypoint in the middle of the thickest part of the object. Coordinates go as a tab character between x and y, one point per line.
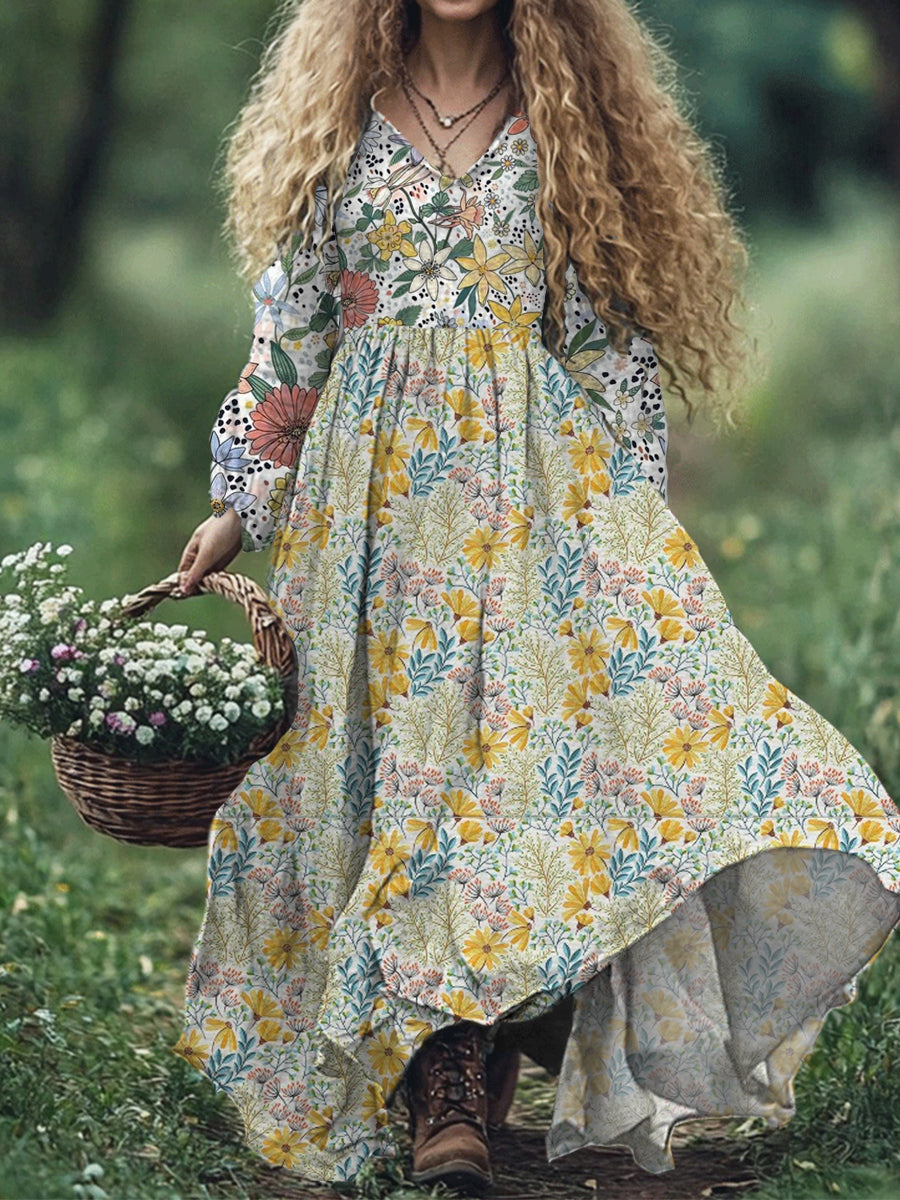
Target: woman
539	792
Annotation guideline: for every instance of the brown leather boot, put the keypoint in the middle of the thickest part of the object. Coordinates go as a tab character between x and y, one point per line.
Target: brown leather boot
447	1097
502	1071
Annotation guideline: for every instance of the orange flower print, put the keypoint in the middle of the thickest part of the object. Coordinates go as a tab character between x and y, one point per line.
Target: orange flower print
359	297
280	421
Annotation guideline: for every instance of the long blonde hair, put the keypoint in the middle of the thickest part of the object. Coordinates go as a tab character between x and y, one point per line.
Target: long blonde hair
629	191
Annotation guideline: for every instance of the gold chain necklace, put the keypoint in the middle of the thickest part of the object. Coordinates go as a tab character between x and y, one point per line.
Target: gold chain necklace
476	110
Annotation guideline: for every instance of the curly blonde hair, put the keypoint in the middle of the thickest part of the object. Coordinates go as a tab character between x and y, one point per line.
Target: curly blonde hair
629	191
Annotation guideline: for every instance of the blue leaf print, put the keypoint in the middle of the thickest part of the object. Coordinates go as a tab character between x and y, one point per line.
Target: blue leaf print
560	574
226	1069
425	671
559	777
560	971
426	870
624	471
426	470
760	776
627	669
226	867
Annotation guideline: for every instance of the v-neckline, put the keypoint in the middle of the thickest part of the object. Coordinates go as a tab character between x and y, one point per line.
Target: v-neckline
428	163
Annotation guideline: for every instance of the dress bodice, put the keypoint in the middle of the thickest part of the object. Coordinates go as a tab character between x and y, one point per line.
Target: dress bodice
429	250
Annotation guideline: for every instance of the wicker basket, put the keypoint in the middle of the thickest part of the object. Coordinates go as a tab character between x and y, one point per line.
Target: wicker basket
173	803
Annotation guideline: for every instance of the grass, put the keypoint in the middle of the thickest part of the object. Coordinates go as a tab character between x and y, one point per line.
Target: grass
797	519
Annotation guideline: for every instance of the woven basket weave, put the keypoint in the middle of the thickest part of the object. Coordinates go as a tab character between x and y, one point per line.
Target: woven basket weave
173	803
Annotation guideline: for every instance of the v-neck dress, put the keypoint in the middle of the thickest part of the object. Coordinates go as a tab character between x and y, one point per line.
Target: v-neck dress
534	763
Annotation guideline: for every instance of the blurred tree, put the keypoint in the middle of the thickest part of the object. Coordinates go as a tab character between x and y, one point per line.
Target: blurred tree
884	16
49	169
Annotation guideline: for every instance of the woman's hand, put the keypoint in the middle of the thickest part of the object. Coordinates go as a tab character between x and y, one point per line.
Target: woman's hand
211	547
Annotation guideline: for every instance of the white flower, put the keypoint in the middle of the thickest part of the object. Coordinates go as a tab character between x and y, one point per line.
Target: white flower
74	729
57	569
43	695
63	550
132	704
261	708
430	268
231	693
96	717
217	722
77	693
232	711
144	734
204	712
197	689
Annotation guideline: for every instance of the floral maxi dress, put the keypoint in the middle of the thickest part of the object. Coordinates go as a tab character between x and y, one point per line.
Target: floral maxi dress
534	762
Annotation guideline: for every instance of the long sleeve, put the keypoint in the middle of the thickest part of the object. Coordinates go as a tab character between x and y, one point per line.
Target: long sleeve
627	386
257	435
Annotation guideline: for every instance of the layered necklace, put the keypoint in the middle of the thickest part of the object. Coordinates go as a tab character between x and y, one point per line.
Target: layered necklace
445	120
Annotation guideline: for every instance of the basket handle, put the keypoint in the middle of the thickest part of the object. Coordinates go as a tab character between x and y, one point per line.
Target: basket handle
270	637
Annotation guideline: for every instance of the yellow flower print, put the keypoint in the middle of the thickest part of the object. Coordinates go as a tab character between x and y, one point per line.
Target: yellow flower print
684	747
484	347
578	503
590	452
391	452
484	949
223	834
577	701
666	613
286	753
320	1126
284	947
484	547
387	1054
721	725
520	524
377	499
391	237
681	550
626	834
388	653
467	814
373	1105
463	1006
482	270
320	923
426	434
669	815
224	1038
670	1023
484	748
320	725
588	653
283	1148
389	852
376	903
520	723
378	700
261	1006
466	613
513	321
424	636
589	853
520	927
624	632
579	900
824	832
320	525
528	258
776	703
192	1048
422	831
870	816
287	552
277	494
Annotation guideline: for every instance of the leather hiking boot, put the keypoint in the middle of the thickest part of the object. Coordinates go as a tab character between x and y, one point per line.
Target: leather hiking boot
502	1072
447	1096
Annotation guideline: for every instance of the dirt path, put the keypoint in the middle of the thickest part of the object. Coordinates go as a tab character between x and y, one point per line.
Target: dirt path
521	1171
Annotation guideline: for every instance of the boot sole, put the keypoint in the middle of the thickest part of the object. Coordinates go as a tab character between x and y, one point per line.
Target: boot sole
455	1174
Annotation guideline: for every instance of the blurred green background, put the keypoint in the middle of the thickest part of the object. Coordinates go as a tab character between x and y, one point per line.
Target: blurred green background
123	325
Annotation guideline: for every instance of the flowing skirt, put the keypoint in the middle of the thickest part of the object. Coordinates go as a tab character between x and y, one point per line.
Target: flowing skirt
536	774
